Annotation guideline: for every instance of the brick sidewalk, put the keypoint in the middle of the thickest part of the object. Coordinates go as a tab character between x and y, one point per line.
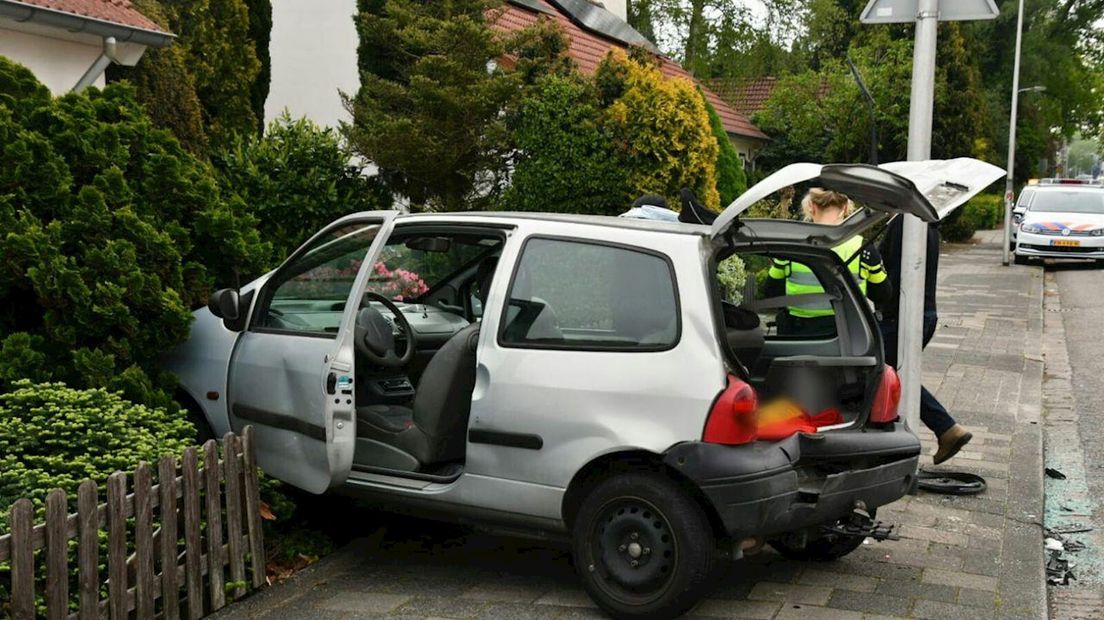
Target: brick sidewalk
959	557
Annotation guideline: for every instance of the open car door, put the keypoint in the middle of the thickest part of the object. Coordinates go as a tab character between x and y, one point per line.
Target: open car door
293	370
930	190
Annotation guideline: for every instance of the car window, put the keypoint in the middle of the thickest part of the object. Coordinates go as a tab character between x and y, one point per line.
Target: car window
1068	201
409	268
580	295
308	294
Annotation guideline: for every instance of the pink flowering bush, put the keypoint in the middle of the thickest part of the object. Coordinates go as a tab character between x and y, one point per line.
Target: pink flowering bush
397	283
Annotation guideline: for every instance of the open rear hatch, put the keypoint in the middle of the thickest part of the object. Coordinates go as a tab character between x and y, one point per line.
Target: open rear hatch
806	378
930	190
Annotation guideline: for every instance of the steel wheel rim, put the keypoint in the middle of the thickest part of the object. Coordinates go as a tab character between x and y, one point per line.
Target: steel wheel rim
632	551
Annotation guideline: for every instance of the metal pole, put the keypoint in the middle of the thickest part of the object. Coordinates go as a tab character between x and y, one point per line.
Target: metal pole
1012	138
914	236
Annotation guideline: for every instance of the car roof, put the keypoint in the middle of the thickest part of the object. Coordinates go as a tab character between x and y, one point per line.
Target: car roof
491	217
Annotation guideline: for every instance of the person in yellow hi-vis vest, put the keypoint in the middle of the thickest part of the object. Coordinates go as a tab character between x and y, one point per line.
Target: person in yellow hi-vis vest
785	277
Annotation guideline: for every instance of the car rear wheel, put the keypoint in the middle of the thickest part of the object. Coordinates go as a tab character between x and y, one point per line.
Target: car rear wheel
826	548
643	547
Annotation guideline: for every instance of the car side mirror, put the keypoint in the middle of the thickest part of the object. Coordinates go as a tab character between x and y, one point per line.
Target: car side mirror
227	305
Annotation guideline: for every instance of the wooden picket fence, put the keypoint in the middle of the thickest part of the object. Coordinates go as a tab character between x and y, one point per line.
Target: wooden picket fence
218	505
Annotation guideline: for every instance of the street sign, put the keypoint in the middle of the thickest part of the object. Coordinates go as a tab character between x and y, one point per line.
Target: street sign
904	11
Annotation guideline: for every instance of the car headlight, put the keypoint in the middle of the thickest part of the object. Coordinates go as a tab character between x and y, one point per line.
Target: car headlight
1031	228
1097	232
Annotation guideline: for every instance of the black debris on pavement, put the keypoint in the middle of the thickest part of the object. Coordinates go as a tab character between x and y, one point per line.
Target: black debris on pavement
1054	473
1059	569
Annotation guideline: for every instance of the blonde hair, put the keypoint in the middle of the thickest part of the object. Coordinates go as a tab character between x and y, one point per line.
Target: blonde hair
824	199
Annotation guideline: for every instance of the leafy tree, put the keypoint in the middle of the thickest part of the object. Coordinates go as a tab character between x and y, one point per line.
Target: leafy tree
165	86
659	127
223	60
109	233
202	87
731	180
430	110
819	115
295	180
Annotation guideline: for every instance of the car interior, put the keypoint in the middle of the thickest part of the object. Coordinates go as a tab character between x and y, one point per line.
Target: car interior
416	337
827	369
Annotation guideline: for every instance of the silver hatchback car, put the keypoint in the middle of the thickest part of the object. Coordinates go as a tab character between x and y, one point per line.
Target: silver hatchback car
577	377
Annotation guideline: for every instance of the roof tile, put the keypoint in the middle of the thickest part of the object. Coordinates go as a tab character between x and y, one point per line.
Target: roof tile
588	49
120	12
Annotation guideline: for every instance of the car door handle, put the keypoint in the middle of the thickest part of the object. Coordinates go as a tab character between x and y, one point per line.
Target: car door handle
331	383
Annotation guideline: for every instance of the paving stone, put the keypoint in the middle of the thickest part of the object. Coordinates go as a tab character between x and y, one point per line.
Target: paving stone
988	564
583	613
870	602
918	589
976	598
717	608
811	612
509	611
367	602
881	570
499	592
858	583
565	597
449	607
960	579
935	610
934	535
790	593
925	560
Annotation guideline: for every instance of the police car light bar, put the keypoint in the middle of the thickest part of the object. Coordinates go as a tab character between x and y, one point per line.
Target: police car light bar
1055	181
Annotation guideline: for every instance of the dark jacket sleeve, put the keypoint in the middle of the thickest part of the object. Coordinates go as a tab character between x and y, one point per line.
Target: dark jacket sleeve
776	278
879	286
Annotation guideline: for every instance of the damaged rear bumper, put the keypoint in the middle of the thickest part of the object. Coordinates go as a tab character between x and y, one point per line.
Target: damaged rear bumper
805	480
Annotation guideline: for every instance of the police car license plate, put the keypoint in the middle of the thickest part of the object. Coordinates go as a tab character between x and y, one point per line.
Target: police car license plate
1066	242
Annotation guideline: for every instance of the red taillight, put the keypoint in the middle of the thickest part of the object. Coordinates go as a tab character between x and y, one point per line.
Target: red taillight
886	398
733	420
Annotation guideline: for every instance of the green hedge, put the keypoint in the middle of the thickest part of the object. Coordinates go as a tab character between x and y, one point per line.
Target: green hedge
982	212
110	233
54	437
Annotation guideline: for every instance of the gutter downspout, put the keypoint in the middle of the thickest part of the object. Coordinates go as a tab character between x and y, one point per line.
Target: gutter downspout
98	66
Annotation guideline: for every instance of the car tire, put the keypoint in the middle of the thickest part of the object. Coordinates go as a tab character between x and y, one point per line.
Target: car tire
646	518
827	548
1021	260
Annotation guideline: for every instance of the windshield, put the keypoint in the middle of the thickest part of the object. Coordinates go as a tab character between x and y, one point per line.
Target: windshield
1068	201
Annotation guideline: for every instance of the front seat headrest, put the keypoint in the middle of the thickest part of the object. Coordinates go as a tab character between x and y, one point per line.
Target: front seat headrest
483	276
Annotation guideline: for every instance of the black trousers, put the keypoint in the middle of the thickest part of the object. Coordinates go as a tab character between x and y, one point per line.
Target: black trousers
932	413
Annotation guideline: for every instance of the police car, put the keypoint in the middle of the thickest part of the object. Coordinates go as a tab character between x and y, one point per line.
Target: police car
1064	219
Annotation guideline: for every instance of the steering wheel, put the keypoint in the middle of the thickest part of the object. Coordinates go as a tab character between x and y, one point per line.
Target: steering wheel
375	336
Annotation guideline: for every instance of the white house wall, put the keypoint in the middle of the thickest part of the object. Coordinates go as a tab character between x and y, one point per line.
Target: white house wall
313	51
57	63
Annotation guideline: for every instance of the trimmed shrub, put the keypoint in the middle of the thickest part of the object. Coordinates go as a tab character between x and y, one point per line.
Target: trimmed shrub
109	233
982	212
295	180
54	437
659	127
565	163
